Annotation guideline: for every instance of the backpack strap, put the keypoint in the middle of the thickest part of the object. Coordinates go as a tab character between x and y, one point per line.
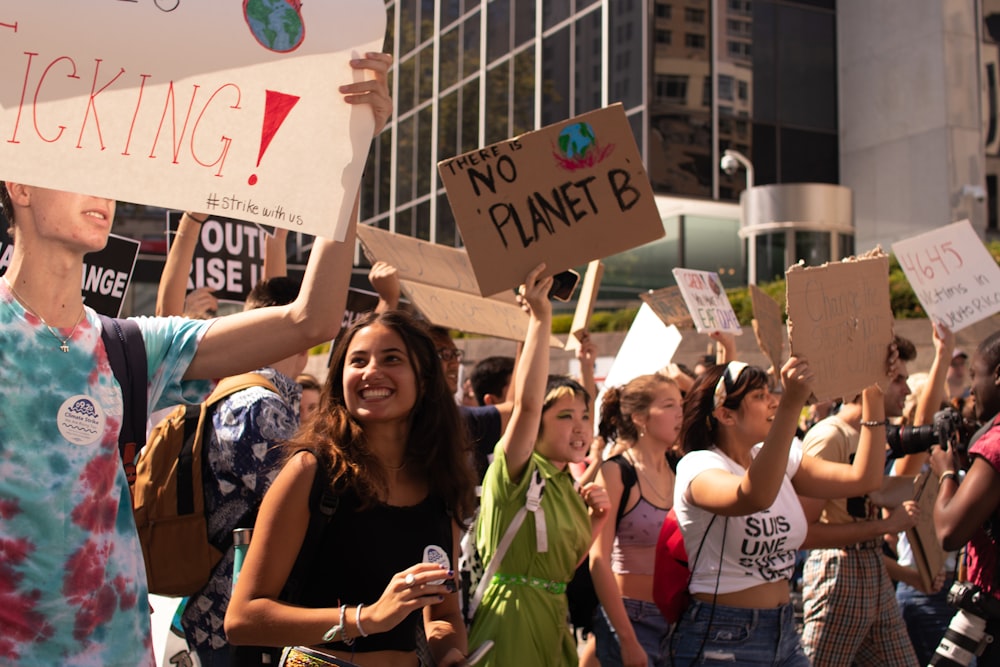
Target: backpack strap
533	501
629	479
127	356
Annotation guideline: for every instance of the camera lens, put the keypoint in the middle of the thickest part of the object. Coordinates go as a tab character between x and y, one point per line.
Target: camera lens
961	640
905	440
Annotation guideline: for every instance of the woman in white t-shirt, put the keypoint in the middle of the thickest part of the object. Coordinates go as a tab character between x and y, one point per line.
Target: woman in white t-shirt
735	499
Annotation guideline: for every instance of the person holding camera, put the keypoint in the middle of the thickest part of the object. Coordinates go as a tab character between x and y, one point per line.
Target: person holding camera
850	613
967	512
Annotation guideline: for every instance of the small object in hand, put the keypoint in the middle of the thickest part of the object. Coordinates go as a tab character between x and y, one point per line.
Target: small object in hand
410	580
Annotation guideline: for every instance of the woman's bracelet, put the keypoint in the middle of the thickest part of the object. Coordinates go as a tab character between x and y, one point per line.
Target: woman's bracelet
873	423
200	222
948	474
357	620
331	634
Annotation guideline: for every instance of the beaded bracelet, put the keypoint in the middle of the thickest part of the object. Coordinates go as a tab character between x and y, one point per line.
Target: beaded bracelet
872	423
329	635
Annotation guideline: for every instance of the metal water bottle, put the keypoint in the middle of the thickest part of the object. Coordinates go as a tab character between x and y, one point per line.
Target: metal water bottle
241	542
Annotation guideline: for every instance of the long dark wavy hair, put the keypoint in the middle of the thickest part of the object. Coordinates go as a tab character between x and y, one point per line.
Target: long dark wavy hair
700	426
437	448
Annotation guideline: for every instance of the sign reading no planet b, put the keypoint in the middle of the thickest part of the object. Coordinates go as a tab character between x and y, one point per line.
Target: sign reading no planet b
564	195
952	273
229	108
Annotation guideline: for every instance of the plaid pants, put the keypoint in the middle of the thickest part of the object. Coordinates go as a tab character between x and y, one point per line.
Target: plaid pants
850	612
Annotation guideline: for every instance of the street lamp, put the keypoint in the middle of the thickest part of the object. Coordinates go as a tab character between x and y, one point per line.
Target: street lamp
731	161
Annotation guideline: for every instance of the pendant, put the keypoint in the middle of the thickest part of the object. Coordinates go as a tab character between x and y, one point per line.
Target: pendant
64	347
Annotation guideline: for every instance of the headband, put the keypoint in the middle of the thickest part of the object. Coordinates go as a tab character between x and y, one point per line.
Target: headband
728	379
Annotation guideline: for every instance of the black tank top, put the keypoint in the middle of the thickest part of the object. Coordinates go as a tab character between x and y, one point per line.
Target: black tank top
363	549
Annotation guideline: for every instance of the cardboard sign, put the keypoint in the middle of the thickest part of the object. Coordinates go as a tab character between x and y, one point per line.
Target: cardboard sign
469	312
840	320
649	345
359	303
668	304
585	304
707	301
420	261
768	328
927	552
222	107
564	195
952	273
229	257
106	276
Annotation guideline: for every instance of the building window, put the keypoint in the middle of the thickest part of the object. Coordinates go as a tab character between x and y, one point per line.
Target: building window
693	41
725	87
671	88
662	36
694	15
738	49
742	90
663	11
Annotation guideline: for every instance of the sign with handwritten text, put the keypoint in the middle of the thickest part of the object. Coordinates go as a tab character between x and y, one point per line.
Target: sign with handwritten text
840	320
230	108
707	301
952	273
564	195
668	304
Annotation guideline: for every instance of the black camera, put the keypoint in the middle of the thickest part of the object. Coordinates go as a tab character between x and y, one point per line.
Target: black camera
966	635
905	440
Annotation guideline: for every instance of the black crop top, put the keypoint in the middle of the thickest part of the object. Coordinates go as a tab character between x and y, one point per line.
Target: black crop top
362	550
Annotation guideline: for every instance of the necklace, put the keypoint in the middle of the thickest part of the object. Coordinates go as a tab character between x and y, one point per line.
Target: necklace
663	500
63	342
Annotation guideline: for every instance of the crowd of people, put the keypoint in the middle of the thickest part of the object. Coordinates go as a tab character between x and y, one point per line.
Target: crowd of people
773	495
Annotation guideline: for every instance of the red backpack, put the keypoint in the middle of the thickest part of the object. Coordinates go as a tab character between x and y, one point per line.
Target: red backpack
671	574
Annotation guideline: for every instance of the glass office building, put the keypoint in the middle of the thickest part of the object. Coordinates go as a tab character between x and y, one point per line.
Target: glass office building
695	77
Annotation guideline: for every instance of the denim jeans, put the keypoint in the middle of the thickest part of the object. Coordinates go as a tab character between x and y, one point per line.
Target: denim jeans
926	617
651	629
737	636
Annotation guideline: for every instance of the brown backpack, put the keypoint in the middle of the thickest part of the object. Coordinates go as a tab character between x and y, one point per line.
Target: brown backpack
168	499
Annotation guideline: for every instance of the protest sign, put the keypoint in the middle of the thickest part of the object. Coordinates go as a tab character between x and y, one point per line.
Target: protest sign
420	261
840	321
952	273
707	301
928	555
229	257
585	304
649	345
440	283
107	273
359	303
564	195
219	107
668	304
768	328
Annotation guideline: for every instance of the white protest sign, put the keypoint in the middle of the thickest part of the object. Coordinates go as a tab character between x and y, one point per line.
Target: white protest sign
222	107
952	273
649	345
707	301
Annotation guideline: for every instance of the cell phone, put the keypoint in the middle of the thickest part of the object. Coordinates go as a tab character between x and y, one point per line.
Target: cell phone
563	285
479	653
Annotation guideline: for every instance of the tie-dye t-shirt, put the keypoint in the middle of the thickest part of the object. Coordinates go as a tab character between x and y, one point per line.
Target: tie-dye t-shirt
72	581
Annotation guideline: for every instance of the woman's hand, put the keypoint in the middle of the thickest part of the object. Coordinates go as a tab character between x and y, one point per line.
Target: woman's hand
409	590
200	304
533	295
797	379
597	499
374	92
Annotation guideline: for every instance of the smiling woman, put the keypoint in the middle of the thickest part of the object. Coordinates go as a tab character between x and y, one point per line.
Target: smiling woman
389	443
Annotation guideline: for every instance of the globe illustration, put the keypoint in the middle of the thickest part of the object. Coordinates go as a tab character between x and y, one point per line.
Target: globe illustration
276	24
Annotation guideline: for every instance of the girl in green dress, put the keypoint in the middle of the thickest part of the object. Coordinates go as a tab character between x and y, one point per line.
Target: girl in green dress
524	609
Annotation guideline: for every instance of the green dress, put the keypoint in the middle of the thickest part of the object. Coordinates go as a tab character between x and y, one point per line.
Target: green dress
528	623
